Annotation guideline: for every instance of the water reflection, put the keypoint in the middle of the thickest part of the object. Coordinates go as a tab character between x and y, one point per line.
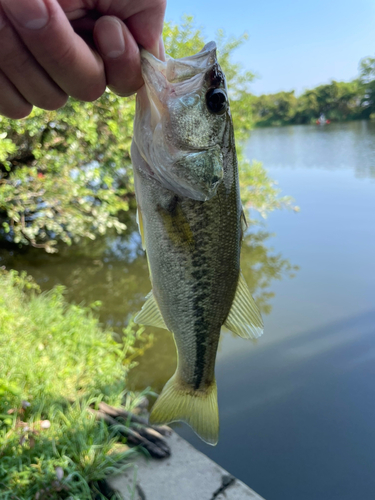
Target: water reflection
114	270
261	266
348	145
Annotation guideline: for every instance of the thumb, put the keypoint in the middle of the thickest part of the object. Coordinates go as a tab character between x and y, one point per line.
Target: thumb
120	55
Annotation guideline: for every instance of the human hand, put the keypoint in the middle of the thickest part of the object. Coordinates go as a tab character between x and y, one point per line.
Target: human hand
52	49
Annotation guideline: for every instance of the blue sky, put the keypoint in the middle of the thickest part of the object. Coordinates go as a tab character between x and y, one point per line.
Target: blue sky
292	45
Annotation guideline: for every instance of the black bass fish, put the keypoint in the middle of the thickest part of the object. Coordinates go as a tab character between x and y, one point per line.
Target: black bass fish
191	221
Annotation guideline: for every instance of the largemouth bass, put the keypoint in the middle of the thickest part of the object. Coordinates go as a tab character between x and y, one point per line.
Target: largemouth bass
190	217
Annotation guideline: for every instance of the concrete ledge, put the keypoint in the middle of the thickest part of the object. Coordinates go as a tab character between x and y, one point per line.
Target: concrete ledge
186	475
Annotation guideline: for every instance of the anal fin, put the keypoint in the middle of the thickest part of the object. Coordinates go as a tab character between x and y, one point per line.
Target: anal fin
244	318
150	313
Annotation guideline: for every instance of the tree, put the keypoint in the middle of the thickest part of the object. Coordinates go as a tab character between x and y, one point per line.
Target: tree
337	100
275	109
367	83
66	175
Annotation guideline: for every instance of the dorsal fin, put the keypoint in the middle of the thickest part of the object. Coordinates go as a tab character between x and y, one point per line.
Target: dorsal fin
150	313
244	318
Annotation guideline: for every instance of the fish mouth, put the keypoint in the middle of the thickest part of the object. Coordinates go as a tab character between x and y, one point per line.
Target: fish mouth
179	70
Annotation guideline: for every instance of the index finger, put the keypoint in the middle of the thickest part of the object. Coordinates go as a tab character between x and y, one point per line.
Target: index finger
145	19
47	33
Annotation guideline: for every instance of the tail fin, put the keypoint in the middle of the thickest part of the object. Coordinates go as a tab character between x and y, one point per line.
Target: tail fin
196	408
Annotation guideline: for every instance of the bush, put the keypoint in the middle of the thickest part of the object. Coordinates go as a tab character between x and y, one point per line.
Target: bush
55	361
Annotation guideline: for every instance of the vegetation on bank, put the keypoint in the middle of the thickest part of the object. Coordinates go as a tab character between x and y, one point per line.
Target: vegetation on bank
338	101
55	361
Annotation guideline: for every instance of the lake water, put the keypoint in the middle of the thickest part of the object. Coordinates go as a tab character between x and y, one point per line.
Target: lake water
297	409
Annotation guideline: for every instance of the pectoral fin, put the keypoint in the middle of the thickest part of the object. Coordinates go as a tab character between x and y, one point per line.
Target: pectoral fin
150	313
244	318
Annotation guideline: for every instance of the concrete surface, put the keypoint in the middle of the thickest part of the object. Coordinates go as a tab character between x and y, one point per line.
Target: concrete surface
186	475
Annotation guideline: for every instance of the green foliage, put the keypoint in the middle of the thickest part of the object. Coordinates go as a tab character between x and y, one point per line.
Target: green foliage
367	84
48	347
274	109
64	461
52	353
338	101
66	175
184	39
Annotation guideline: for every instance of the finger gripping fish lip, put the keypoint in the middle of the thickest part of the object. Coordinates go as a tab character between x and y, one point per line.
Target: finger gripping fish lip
177	70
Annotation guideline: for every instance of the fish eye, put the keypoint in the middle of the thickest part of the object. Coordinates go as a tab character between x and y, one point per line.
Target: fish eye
217	101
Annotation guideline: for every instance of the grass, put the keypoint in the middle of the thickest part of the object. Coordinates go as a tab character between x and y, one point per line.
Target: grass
56	361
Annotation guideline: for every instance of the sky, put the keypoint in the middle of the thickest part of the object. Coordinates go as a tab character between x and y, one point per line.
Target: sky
292	45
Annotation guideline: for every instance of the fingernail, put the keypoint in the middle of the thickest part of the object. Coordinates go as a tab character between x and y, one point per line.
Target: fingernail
111	37
31	14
